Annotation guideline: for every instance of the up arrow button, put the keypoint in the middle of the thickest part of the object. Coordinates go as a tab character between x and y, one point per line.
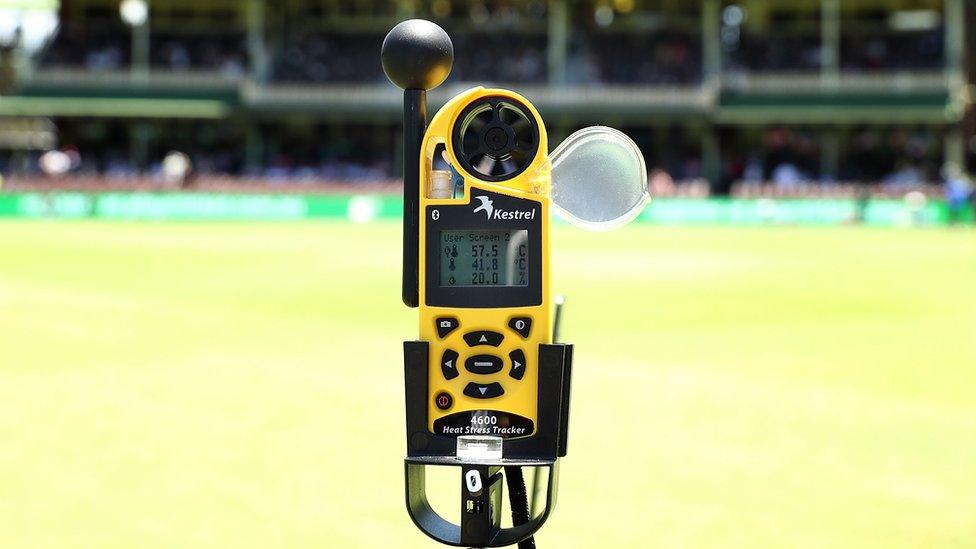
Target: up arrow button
483	337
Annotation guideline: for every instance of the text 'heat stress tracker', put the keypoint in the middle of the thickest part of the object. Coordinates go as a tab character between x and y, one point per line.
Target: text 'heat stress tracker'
486	387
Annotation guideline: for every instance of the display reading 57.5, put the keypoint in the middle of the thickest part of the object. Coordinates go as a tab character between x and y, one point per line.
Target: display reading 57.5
484	258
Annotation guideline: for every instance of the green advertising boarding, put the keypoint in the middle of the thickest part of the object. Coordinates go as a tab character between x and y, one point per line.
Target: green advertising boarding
368	207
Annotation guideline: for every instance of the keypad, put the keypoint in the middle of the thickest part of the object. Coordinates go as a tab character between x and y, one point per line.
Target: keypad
480	364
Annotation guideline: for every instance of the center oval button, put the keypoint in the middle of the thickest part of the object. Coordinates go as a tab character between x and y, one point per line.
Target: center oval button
483	364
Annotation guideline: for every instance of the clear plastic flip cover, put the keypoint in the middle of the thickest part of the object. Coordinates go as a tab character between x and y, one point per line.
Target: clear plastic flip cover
599	180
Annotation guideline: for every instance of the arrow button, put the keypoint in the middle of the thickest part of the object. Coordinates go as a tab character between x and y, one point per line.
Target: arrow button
478	390
518	363
483	337
449	364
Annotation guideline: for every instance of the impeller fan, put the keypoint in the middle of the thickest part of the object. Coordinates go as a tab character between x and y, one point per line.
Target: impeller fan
495	138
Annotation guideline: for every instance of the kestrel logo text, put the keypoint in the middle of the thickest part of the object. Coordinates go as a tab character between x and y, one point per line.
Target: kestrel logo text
497	213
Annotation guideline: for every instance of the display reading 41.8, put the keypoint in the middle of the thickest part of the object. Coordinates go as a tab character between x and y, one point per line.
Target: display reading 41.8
484	258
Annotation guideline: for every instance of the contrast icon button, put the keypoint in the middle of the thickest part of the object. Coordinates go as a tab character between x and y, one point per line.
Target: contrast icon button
443	401
518	364
477	390
449	365
483	364
521	325
483	337
445	325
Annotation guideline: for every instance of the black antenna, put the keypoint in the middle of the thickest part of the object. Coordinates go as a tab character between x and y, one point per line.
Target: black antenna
556	323
417	56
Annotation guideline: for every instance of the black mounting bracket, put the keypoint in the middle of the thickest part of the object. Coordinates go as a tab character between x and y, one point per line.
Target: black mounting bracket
481	510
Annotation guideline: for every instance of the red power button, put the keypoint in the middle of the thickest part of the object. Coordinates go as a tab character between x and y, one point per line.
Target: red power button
443	401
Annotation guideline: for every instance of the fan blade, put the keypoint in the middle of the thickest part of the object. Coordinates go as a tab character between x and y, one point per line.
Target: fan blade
506	114
476	123
522	126
520	156
509	166
486	165
470	142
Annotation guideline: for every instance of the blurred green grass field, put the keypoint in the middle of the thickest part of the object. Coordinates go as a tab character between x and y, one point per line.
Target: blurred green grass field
239	385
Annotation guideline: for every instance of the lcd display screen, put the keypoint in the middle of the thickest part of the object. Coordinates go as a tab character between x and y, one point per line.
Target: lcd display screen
484	258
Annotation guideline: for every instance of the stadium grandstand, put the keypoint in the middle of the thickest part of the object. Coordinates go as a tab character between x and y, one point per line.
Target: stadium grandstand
747	97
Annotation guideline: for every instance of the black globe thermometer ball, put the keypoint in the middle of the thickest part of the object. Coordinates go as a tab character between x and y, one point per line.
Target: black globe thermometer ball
417	55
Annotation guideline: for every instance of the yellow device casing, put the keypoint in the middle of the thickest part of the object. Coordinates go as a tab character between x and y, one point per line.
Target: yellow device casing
505	214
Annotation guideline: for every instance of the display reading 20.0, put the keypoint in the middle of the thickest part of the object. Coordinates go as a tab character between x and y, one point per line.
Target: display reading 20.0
484	258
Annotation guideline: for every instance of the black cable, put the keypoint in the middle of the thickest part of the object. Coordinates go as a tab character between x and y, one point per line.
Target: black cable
519	502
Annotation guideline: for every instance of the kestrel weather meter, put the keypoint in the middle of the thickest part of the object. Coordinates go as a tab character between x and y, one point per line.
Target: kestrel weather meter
487	387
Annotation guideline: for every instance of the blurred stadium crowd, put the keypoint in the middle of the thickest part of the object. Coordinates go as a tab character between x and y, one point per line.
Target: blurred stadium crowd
657	46
512	52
